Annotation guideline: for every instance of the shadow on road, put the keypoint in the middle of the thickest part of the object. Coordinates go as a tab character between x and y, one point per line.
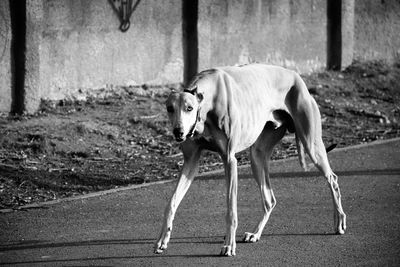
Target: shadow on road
38	244
278	175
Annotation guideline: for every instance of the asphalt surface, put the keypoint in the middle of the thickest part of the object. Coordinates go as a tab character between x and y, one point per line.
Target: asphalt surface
119	229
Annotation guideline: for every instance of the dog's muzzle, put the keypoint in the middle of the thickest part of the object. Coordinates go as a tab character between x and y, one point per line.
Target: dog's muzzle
179	134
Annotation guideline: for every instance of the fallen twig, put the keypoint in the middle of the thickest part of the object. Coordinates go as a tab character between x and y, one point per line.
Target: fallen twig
149	116
175	155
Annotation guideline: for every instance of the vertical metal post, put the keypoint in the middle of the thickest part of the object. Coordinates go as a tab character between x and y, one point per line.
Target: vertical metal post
334	31
190	39
18	49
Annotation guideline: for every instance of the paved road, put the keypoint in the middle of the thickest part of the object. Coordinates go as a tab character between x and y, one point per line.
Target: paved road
119	229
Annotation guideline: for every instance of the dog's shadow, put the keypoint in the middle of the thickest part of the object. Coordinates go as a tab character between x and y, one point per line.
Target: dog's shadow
39	245
218	239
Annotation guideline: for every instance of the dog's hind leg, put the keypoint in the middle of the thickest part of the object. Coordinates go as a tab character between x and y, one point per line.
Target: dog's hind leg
260	154
191	153
323	165
308	127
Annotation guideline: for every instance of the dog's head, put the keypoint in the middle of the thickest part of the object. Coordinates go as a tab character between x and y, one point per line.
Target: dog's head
184	113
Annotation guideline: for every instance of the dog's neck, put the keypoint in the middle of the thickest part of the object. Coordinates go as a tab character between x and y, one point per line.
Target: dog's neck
205	100
199	97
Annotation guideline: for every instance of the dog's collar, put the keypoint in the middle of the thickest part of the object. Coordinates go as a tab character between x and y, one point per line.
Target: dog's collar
193	91
193	128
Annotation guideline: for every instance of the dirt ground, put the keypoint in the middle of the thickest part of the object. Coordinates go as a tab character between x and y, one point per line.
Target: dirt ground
120	136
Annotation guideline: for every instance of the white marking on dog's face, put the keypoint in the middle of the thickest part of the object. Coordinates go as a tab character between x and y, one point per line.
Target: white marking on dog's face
182	112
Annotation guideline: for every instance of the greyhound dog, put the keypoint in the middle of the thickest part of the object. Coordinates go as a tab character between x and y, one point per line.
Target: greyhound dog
230	109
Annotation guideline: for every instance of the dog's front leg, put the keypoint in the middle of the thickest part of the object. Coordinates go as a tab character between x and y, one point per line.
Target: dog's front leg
231	216
191	157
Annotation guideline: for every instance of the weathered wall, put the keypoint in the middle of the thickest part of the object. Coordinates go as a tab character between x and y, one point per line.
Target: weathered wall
82	47
5	62
377	30
285	32
35	87
73	45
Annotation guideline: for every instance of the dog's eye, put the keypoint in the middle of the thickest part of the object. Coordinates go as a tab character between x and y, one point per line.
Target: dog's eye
189	108
170	109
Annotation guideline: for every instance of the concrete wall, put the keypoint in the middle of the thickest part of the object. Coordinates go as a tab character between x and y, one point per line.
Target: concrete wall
5	62
74	45
377	30
284	32
82	47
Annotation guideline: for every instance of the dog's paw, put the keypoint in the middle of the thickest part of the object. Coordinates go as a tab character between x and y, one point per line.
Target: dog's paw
227	251
250	237
340	230
159	248
341	225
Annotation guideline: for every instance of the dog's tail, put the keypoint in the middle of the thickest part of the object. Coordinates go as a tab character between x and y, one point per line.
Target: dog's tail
300	150
302	156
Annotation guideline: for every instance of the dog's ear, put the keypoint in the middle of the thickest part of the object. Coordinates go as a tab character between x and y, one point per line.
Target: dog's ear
195	92
191	90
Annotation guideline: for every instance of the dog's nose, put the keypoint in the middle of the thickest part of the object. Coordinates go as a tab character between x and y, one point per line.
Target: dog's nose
178	132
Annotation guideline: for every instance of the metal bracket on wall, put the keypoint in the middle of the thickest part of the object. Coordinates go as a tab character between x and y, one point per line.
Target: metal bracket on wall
124	9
